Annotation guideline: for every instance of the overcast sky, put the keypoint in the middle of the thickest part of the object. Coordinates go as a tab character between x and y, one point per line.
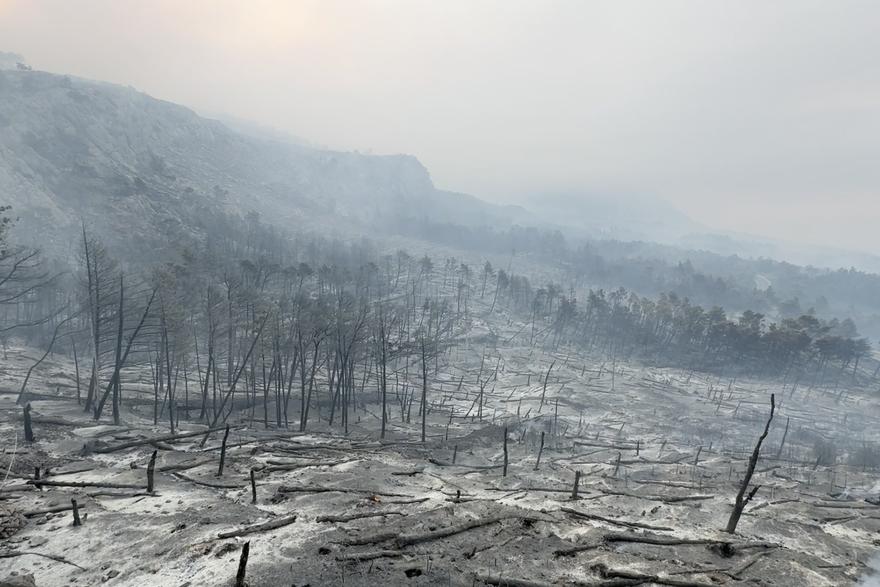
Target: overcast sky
761	117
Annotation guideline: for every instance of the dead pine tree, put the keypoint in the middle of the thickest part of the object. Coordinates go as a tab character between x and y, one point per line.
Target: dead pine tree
151	468
540	450
544	390
223	452
28	430
76	519
242	565
504	471
784	435
741	498
253	488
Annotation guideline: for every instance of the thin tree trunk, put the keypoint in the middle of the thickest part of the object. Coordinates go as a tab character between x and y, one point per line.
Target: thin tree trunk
741	499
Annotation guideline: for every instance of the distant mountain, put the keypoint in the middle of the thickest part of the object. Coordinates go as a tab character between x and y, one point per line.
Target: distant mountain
625	218
145	174
750	246
140	170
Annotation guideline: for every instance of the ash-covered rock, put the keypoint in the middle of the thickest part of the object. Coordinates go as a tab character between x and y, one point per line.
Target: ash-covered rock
11	521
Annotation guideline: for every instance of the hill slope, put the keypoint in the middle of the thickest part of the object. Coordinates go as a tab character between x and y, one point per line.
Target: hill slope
138	167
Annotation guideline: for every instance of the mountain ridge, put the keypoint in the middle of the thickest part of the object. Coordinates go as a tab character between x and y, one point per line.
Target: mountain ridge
74	151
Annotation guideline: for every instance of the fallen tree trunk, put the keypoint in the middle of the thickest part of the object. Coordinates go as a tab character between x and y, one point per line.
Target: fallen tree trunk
575	549
349	518
411	539
165	438
503	581
295	466
42	482
261	527
317	489
472	467
375	539
52	510
210	483
607	573
59	559
366	556
671	541
580	514
183	466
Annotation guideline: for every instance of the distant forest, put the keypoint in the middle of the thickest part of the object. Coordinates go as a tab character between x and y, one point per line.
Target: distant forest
312	323
702	277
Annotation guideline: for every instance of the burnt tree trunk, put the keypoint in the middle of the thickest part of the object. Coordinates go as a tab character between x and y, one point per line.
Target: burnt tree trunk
741	499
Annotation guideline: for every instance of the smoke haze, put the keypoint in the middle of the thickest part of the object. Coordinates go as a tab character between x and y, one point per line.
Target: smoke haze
749	117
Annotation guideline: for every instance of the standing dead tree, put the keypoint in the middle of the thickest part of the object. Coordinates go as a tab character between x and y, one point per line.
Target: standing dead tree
741	499
58	327
385	348
99	268
428	344
122	355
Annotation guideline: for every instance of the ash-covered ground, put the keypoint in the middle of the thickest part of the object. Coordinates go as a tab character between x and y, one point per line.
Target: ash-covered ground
661	454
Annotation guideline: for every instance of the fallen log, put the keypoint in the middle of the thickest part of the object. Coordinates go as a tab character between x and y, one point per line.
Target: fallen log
669	484
662	498
57	473
412	539
47	483
366	556
183	466
212	484
318	489
672	541
375	539
614	522
684	498
261	527
123	495
745	565
607	573
472	467
51	510
53	557
575	549
165	438
350	517
606	446
502	581
230	445
658	540
295	466
406	501
538	489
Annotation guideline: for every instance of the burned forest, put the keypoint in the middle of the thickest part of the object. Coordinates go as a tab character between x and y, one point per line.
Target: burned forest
250	363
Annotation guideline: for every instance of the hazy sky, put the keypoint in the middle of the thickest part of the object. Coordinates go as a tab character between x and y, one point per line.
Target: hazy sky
761	117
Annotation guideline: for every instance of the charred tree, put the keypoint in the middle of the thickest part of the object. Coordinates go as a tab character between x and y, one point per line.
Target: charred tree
741	498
